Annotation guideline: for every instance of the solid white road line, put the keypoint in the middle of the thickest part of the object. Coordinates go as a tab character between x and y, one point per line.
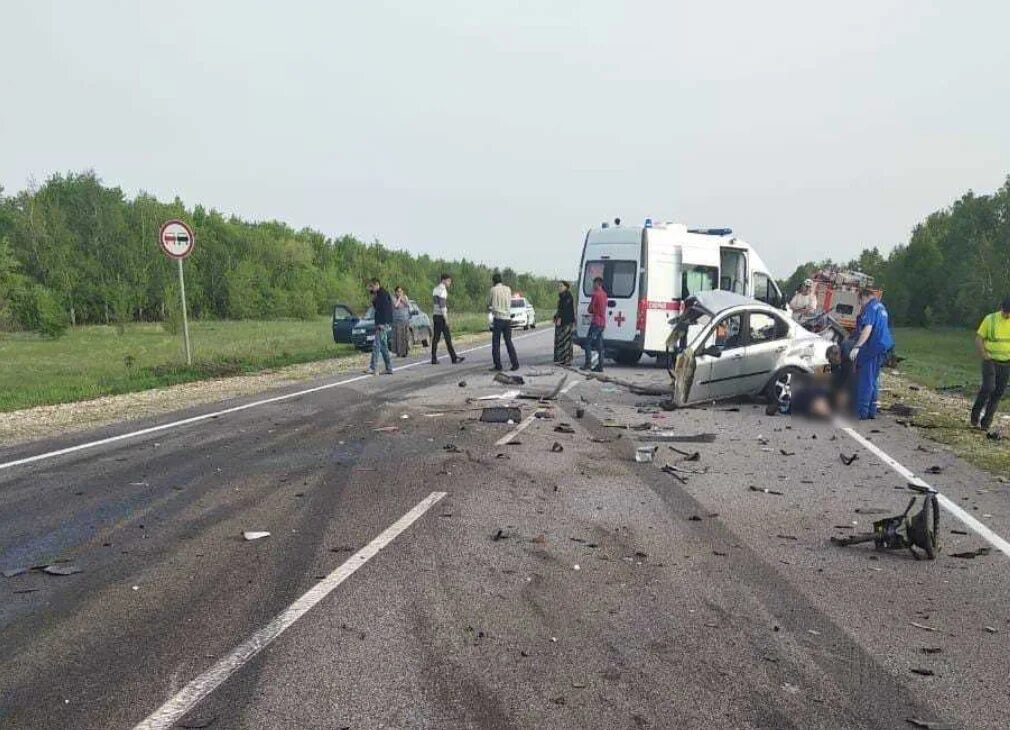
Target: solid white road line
216	414
172	711
983	531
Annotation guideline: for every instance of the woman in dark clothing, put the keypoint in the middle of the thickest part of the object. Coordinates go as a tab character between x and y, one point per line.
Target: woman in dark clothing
564	325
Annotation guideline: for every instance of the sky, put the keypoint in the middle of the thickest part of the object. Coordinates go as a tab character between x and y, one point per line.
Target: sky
502	131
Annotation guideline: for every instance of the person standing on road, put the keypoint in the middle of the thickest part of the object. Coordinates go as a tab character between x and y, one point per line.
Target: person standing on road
873	343
564	325
401	322
440	320
500	305
382	306
598	323
804	301
992	340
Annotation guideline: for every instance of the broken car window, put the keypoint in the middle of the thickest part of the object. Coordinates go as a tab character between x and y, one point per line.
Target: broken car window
727	333
765	327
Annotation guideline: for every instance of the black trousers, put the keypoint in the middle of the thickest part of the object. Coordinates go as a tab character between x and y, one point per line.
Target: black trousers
441	327
503	328
994	381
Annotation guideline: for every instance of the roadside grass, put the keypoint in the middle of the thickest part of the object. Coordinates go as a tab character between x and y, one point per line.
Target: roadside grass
939	378
89	362
941	358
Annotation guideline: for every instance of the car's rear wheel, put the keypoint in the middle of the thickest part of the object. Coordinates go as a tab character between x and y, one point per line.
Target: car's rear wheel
628	357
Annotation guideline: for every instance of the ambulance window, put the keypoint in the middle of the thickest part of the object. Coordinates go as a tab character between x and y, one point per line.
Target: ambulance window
696	279
764	290
618	277
734	270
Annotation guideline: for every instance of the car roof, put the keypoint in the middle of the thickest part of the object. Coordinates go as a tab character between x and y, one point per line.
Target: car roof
718	301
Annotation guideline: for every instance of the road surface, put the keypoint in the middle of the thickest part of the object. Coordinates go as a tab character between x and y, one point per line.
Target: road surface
422	572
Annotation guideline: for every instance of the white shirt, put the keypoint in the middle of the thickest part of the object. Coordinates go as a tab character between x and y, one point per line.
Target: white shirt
440	298
500	302
803	303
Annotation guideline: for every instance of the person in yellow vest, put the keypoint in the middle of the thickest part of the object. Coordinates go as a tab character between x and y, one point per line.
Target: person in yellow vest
993	343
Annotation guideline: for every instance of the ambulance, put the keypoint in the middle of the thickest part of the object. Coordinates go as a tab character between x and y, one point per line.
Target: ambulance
649	270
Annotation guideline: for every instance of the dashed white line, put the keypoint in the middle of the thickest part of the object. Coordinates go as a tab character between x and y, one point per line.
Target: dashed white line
173	710
518	430
982	530
214	414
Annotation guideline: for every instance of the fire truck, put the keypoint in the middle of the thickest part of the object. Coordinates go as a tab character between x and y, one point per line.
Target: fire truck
838	295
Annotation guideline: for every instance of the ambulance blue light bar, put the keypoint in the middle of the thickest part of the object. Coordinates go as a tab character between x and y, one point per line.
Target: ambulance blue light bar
711	231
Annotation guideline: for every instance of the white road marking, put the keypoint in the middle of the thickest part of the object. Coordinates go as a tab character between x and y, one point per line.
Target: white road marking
519	429
216	414
570	386
172	711
983	531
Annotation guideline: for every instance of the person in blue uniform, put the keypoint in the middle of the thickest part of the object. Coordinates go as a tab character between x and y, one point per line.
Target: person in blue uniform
873	342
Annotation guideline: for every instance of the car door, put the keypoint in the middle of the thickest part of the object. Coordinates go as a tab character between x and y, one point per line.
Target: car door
767	341
719	359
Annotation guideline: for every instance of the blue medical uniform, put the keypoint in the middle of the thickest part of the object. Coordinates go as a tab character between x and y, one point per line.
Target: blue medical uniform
872	356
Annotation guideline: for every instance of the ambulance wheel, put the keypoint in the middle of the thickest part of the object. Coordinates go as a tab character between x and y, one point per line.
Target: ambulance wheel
628	357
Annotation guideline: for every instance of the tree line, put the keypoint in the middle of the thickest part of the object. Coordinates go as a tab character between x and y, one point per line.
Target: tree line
954	269
74	251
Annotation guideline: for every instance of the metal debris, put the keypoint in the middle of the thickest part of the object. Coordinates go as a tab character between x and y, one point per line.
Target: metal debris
930	724
765	491
671	437
847	460
501	414
564	428
506	379
972	554
61	569
255	534
557	448
645	454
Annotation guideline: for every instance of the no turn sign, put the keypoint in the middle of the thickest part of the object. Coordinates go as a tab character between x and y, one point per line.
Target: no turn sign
176	239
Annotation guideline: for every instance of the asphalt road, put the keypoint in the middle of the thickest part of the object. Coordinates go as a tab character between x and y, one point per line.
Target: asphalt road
546	588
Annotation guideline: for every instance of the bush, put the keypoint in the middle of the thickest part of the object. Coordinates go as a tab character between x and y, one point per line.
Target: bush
35	308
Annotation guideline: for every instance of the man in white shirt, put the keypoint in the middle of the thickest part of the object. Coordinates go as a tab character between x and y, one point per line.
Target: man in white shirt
440	321
804	301
499	303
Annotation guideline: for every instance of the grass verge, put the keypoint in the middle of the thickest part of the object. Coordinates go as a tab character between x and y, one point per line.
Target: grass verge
89	362
939	378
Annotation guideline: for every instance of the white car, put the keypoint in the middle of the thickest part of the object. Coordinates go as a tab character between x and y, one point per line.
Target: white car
726	345
521	313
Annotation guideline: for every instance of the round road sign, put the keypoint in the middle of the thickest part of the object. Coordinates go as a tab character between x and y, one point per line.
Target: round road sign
176	239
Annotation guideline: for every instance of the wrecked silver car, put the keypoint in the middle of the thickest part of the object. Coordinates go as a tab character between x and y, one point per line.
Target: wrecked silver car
727	345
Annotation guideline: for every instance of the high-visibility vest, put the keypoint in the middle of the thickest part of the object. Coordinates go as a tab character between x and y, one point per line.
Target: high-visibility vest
997	336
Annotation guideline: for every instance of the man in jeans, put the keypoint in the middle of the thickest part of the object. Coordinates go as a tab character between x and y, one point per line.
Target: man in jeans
598	310
500	304
992	341
382	305
440	322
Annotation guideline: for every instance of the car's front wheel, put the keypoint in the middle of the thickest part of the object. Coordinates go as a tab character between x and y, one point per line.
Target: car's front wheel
780	389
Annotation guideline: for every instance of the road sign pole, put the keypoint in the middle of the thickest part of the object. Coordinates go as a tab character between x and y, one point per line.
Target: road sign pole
185	317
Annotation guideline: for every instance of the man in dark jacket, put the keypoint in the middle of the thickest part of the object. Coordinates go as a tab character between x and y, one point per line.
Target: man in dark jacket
564	325
382	305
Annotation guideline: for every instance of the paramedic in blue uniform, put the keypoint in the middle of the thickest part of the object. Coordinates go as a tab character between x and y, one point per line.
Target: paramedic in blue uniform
873	342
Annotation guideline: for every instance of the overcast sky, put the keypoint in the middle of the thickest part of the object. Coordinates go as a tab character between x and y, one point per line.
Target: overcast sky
468	129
